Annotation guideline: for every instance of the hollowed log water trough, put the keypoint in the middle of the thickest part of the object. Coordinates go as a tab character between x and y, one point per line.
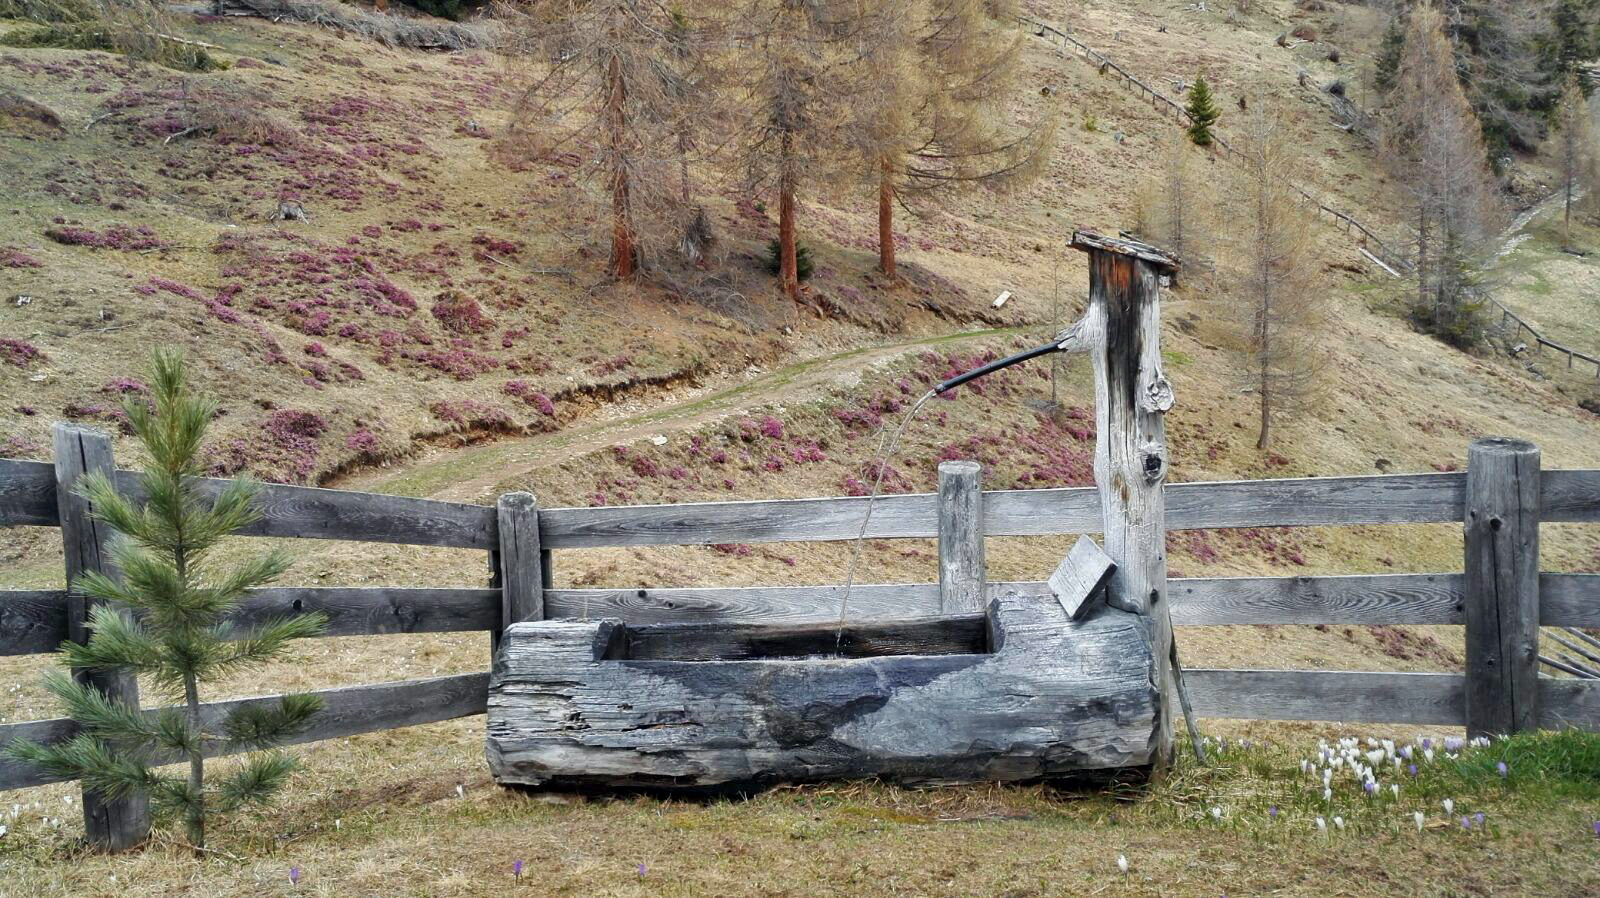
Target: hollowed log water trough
1024	688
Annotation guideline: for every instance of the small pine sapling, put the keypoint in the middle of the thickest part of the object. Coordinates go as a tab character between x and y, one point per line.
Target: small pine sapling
166	617
1203	112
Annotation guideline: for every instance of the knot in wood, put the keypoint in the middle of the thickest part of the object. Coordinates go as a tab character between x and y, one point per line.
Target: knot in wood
1156	394
1153	462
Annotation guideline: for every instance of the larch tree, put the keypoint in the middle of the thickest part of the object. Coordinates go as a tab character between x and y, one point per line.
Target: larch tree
610	80
933	79
1575	152
166	617
789	64
1173	210
1271	315
1436	149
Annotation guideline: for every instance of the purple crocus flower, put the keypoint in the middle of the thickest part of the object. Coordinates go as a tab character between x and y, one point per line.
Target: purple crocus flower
1478	818
1368	787
1273	812
1597	829
641	869
1500	768
1452	744
1411	769
1466	823
1427	743
516	870
294	876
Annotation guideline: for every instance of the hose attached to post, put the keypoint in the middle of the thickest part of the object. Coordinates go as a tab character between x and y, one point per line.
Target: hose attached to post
994	366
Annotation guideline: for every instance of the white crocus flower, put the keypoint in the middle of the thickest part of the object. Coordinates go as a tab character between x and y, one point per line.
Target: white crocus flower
1338	822
1322	825
1449	806
1419	818
1122	864
1216	813
1327	795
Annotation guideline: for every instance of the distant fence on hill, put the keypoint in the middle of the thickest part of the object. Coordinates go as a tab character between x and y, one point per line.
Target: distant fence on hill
519	539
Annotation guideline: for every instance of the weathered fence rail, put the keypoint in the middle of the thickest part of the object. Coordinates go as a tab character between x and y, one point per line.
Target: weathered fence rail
519	538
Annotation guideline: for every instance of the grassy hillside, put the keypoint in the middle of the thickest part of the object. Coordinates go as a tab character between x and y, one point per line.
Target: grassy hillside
438	328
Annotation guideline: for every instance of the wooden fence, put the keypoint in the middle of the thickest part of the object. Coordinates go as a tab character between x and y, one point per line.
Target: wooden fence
519	538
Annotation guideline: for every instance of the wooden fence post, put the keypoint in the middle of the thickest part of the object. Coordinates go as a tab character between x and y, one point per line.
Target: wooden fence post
1121	331
1501	591
961	577
521	563
110	825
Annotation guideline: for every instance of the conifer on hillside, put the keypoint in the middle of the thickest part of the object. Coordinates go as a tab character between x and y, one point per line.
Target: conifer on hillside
166	617
1203	112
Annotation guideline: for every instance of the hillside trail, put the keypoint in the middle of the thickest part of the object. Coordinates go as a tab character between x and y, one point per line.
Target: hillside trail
474	473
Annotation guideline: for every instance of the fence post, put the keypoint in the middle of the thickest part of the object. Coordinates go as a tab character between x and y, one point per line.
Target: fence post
1502	586
125	822
961	577
1121	331
521	575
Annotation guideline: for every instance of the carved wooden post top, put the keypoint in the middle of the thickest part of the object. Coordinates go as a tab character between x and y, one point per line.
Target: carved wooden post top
1089	241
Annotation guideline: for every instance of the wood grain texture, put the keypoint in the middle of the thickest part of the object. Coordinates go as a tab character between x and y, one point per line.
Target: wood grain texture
961	570
376	610
306	512
32	620
1053	699
346	712
521	577
110	824
1339	696
944	635
1501	586
1079	581
1567	703
28	493
744	604
1570	496
1357	600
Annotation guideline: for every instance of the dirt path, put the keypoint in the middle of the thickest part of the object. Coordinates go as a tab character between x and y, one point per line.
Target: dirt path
473	474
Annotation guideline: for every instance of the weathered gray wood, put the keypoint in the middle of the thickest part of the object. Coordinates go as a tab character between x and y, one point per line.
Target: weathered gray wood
1121	332
1581	636
109	824
1564	666
1570	497
306	512
376	610
1501	587
1079	581
1361	600
1297	502
1569	600
943	635
1567	703
1054	699
346	712
28	493
520	560
961	570
32	620
1342	696
743	604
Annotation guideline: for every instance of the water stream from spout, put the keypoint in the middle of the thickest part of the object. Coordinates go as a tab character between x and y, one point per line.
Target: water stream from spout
888	441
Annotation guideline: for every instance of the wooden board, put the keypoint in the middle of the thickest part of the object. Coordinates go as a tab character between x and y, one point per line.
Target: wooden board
347	712
1565	703
1569	600
1054	699
310	513
1358	600
1079	581
1570	497
374	610
1340	696
28	493
32	620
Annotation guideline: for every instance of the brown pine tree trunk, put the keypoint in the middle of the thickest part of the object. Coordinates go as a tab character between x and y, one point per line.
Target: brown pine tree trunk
886	219
622	249
788	270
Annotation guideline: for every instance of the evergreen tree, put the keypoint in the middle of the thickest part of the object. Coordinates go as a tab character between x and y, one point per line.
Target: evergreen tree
166	618
1203	112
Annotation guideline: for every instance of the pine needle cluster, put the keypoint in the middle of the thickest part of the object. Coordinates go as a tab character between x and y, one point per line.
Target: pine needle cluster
166	615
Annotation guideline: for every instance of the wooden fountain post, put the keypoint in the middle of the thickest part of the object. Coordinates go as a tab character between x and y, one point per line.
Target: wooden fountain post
1121	332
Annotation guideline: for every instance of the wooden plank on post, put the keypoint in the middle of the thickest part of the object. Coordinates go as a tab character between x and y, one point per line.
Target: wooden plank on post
961	573
110	825
1121	331
521	578
1501	591
1081	578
